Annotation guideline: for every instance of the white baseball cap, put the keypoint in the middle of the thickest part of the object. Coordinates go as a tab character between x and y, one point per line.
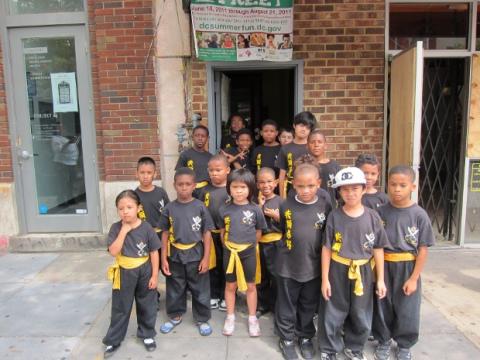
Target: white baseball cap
349	176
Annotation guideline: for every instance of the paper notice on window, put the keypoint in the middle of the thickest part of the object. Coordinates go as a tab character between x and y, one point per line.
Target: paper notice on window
64	92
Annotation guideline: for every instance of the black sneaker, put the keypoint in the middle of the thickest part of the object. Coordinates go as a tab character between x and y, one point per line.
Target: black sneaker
354	355
288	349
110	350
149	344
404	354
327	356
306	348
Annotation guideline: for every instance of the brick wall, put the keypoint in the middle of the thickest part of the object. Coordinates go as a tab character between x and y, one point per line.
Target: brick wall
6	170
342	45
124	85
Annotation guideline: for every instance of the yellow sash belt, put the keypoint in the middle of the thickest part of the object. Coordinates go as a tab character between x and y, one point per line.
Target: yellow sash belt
212	261
270	237
397	257
157	229
353	270
201	184
125	262
235	262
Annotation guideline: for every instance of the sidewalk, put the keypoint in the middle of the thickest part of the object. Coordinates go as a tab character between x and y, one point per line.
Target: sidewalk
57	306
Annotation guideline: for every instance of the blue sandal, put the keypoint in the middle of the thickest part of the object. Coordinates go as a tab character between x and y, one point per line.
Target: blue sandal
204	328
169	325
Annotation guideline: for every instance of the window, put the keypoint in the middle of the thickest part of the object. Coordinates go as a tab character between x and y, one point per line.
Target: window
19	7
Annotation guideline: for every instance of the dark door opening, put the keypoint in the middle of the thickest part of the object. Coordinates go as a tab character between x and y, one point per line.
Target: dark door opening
441	142
258	95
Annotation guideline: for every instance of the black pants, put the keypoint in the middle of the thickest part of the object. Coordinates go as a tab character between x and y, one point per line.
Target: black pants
187	276
267	289
134	285
397	315
217	274
296	305
346	311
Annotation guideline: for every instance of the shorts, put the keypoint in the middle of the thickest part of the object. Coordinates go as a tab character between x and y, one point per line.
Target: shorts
248	259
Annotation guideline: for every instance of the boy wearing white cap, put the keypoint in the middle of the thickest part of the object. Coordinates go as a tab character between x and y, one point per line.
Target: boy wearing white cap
354	234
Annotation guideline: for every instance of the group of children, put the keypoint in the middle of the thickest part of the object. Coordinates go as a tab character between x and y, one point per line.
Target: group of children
288	226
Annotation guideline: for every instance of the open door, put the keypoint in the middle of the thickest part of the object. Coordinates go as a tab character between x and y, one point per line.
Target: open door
406	79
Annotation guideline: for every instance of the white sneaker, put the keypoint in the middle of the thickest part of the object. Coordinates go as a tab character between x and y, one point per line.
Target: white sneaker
253	327
229	326
214	303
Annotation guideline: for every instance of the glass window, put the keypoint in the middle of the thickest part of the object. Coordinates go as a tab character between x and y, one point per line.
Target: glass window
18	7
472	226
438	25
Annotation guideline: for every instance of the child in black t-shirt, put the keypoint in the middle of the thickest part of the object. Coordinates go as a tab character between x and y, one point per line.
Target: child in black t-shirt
370	166
235	123
303	123
270	204
302	220
239	156
241	228
317	146
214	196
196	157
354	234
285	136
186	240
409	231
134	274
266	154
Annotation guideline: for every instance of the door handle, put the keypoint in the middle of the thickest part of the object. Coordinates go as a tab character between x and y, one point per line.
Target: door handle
24	155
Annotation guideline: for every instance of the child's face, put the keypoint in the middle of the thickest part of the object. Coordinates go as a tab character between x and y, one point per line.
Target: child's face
269	134
352	194
145	174
127	210
317	145
371	174
301	131
239	192
218	172
200	139
285	137
306	185
184	186
266	183
400	187
236	124
244	142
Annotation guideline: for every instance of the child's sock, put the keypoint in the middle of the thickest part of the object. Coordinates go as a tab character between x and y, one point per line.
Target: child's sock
231	316
252	318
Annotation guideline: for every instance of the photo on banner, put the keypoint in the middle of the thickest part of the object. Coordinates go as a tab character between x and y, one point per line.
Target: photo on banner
233	30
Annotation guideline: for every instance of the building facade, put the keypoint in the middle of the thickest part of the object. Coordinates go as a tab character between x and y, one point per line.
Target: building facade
87	87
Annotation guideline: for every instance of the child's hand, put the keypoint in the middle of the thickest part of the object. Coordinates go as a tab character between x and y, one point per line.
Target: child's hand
273	213
152	283
261	200
410	287
126	227
230	158
203	266
326	290
381	289
165	267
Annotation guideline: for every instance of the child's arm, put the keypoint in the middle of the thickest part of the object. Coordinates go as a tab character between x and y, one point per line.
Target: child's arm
410	285
273	213
281	183
116	247
326	288
152	283
222	235
165	267
207	244
381	288
258	235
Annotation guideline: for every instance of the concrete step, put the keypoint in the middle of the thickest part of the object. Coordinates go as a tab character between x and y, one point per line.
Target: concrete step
57	242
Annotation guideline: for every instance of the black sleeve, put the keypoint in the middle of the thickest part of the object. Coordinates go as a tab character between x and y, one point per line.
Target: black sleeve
281	160
152	239
182	161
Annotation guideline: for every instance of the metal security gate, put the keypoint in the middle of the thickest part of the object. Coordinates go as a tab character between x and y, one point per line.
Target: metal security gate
441	142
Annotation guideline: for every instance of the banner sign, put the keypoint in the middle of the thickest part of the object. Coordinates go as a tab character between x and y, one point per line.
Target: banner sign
240	30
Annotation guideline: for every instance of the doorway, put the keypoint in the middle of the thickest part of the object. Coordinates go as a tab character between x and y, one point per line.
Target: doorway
55	148
257	92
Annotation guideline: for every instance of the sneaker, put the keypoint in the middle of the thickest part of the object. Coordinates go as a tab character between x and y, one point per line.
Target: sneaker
404	354
327	356
149	344
306	348
253	327
110	350
382	352
261	311
229	326
354	355
214	303
288	349
222	306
